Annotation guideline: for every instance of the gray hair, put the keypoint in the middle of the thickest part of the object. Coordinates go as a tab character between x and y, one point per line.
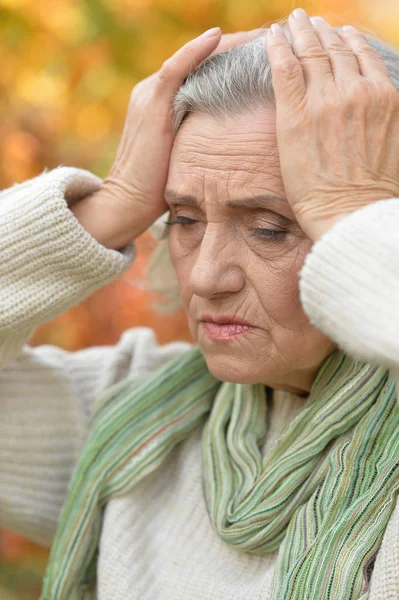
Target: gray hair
230	83
240	80
233	82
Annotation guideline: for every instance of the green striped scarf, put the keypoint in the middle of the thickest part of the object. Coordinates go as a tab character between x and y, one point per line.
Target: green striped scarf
323	493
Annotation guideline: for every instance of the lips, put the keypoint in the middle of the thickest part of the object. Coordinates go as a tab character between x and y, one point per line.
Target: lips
222	329
225	320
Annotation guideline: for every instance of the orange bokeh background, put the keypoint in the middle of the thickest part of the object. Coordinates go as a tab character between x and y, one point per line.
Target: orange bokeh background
67	71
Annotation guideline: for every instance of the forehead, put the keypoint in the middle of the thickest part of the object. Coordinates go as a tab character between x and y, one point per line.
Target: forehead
226	154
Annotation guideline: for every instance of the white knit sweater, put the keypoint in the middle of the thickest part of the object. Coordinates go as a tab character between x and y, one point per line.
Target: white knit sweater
157	542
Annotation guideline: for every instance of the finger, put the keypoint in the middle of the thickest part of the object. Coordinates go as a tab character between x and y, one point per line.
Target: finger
342	59
370	62
314	59
230	40
174	70
287	75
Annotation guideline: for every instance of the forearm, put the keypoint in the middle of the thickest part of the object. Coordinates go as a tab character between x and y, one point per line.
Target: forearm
112	230
49	262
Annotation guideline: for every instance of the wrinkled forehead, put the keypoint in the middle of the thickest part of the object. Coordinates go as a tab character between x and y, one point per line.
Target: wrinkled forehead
218	156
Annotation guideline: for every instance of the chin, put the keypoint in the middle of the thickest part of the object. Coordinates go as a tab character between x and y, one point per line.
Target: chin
231	371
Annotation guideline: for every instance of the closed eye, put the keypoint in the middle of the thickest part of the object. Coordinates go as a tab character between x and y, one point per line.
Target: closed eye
270	233
265	233
181	221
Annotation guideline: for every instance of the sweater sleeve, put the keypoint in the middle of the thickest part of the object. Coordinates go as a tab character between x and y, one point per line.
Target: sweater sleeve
349	284
49	262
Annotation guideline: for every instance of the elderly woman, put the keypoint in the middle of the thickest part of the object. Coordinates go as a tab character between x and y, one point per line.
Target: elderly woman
262	461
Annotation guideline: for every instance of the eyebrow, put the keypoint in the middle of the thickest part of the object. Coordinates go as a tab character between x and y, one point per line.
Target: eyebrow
259	201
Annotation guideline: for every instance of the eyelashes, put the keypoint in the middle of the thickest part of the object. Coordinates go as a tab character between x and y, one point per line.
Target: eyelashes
181	221
274	234
270	233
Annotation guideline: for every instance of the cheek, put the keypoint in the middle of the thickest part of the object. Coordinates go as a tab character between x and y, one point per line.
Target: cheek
273	278
278	294
182	264
277	285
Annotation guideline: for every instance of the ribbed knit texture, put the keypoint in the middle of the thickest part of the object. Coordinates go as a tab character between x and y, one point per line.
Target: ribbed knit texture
157	542
48	261
326	491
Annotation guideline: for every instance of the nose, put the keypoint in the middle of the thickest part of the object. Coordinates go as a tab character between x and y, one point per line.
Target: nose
216	269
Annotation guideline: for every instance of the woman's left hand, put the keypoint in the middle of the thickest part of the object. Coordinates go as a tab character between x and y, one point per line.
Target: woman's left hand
337	122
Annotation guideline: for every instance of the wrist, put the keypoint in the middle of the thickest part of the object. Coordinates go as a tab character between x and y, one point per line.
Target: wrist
316	230
105	223
316	226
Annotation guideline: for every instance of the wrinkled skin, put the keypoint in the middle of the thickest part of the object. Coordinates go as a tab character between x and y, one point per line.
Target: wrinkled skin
225	267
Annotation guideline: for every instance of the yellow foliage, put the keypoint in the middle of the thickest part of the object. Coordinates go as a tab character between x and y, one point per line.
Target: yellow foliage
68	67
67	71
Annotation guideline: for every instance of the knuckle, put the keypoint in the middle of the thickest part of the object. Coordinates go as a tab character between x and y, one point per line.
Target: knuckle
285	67
310	49
137	94
314	54
338	47
326	108
187	51
172	67
142	93
369	52
167	70
357	93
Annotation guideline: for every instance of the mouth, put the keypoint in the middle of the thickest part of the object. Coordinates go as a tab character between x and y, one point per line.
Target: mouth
224	329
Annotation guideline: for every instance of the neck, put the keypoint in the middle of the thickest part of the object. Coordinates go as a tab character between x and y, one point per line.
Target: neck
299	383
293	390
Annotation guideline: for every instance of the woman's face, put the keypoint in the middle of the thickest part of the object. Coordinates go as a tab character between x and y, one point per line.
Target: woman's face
239	251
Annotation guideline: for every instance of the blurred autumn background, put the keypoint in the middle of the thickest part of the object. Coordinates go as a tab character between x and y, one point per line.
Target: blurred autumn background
67	70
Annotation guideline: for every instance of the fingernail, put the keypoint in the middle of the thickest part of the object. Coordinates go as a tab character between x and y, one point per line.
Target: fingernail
317	21
301	15
211	32
275	29
348	29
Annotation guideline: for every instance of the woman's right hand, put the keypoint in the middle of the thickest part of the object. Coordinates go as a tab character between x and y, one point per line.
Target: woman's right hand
131	197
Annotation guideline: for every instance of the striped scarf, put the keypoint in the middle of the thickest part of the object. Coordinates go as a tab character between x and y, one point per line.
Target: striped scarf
323	493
